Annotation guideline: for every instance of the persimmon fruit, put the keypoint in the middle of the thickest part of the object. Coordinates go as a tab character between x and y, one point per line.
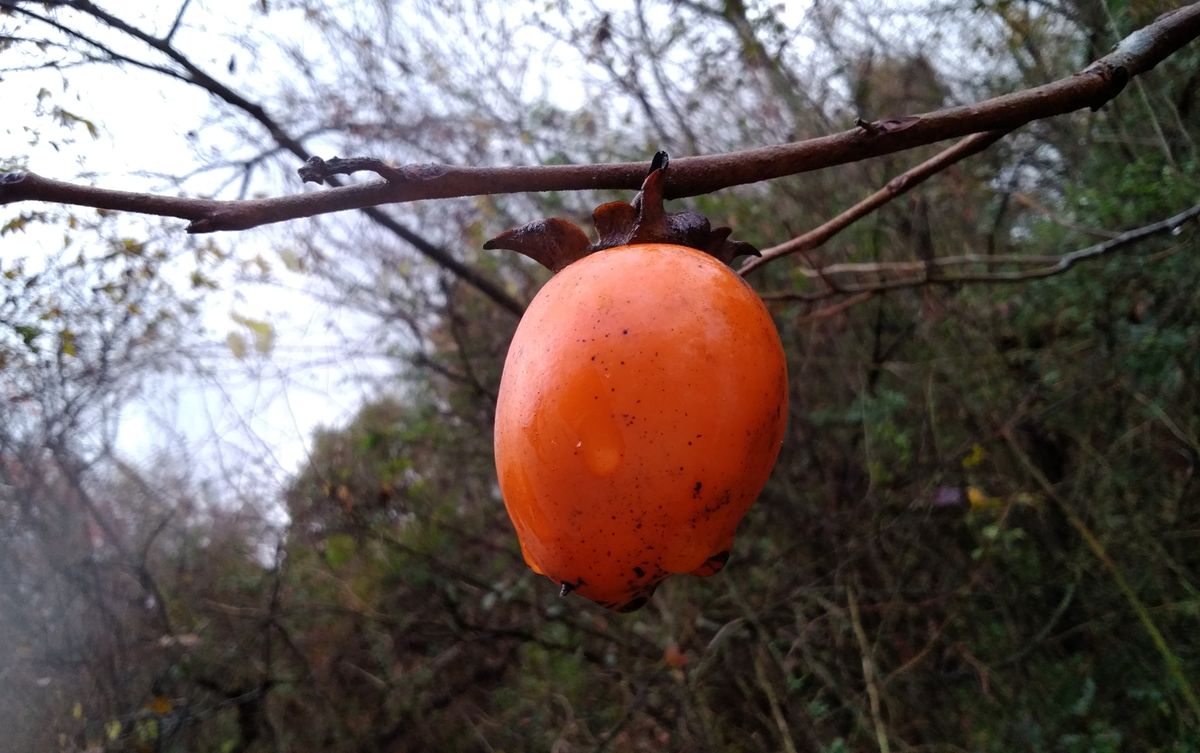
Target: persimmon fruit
641	409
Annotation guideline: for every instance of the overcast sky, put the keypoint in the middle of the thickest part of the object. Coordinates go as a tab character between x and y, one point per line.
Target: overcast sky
230	413
260	410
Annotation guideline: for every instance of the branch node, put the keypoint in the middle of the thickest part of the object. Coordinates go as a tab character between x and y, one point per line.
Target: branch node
318	170
870	128
888	125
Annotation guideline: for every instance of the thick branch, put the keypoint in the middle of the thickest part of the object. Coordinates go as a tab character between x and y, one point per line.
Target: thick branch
27	186
690	176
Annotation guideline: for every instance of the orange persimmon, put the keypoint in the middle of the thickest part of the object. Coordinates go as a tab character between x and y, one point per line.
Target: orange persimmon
641	409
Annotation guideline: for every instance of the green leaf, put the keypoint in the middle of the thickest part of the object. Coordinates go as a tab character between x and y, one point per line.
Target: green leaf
28	335
200	280
339	549
68	118
146	730
16	223
1086	694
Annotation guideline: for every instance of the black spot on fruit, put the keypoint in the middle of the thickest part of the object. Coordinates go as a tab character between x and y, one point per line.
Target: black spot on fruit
712	565
634	604
719	559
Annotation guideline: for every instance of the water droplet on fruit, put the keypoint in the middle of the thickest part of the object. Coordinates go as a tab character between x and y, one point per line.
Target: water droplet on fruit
603	456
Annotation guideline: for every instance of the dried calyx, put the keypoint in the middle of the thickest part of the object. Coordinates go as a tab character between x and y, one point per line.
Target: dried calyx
554	243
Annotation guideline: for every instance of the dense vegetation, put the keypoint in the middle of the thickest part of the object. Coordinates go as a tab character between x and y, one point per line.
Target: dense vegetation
982	531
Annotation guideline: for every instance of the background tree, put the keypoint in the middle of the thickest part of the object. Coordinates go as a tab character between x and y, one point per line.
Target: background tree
979	534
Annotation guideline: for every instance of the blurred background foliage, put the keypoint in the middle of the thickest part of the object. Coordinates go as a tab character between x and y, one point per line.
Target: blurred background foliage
983	533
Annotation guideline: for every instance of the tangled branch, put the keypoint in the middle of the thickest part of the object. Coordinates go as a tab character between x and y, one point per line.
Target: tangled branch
1092	87
189	72
912	274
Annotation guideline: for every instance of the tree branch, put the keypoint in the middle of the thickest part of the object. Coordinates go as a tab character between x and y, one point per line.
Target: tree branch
108	51
897	186
929	272
195	75
178	20
690	176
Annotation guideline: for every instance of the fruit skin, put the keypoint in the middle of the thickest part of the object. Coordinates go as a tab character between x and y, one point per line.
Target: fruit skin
642	407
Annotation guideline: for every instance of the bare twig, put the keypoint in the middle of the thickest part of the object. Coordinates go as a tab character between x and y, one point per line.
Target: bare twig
868	667
897	186
178	20
109	52
690	176
317	170
1030	203
777	715
834	309
929	272
191	73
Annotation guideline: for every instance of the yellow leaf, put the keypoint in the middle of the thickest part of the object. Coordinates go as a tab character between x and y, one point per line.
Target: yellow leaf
160	705
77	710
1026	498
979	500
975	456
66	343
237	345
263	332
113	729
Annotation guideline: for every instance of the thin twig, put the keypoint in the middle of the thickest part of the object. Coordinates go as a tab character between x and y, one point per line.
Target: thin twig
777	715
1029	202
193	74
868	667
895	187
178	21
97	45
1051	265
837	308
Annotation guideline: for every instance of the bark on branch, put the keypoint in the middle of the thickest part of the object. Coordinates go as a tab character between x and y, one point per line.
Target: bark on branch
1092	87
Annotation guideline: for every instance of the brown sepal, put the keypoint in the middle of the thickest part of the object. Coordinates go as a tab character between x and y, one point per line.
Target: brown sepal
556	242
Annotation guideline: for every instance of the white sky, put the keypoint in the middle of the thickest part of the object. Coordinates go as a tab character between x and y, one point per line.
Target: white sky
261	411
258	412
